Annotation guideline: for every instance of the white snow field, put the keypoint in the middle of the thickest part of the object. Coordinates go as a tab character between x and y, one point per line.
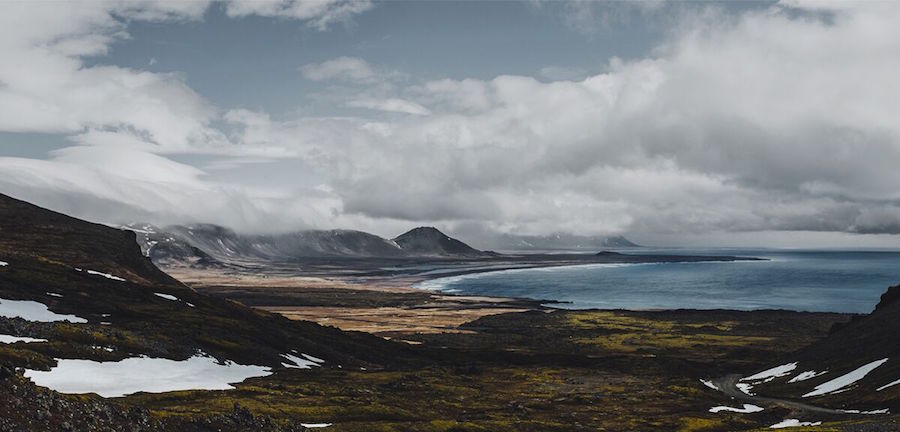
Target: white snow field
775	372
312	359
747	408
709	384
143	374
106	275
846	379
890	384
7	339
301	363
166	296
33	311
803	376
793	423
746	388
872	412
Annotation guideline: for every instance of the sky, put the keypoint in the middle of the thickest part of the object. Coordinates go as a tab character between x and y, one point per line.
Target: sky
695	123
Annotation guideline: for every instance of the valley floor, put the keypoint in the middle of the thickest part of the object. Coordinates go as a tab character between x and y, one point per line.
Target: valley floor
512	364
384	306
539	371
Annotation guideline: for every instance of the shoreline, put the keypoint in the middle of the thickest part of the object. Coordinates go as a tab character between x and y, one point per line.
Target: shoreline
474	274
382	297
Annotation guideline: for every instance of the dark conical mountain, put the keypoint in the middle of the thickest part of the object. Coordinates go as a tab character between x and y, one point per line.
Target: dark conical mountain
429	241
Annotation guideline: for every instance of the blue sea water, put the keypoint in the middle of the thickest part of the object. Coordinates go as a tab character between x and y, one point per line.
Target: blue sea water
822	281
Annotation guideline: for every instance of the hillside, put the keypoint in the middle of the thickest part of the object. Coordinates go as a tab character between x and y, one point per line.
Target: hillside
74	294
857	367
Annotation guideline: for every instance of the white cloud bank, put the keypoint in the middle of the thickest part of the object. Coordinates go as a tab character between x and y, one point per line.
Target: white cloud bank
772	120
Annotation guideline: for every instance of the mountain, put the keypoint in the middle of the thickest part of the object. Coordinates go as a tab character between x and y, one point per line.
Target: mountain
33	233
75	290
556	241
857	367
429	241
207	245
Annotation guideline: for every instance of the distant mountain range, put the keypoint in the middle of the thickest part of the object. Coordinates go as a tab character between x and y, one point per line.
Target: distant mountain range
552	242
208	244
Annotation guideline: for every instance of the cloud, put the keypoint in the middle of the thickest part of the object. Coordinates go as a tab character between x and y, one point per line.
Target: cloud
47	88
744	123
146	186
348	69
778	119
391	105
125	123
319	14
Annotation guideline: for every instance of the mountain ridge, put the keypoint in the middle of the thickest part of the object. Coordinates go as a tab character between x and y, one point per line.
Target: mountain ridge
558	241
207	244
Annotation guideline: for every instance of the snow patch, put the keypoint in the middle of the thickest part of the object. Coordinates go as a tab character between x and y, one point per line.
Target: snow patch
803	376
846	379
33	311
313	359
3	263
793	423
166	296
298	363
53	294
709	384
746	388
315	425
890	384
96	273
7	339
878	411
775	372
748	408
143	374
106	275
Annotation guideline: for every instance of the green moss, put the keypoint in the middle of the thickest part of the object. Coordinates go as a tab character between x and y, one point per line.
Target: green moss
692	424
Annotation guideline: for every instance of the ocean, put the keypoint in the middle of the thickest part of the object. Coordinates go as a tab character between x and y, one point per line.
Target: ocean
801	280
